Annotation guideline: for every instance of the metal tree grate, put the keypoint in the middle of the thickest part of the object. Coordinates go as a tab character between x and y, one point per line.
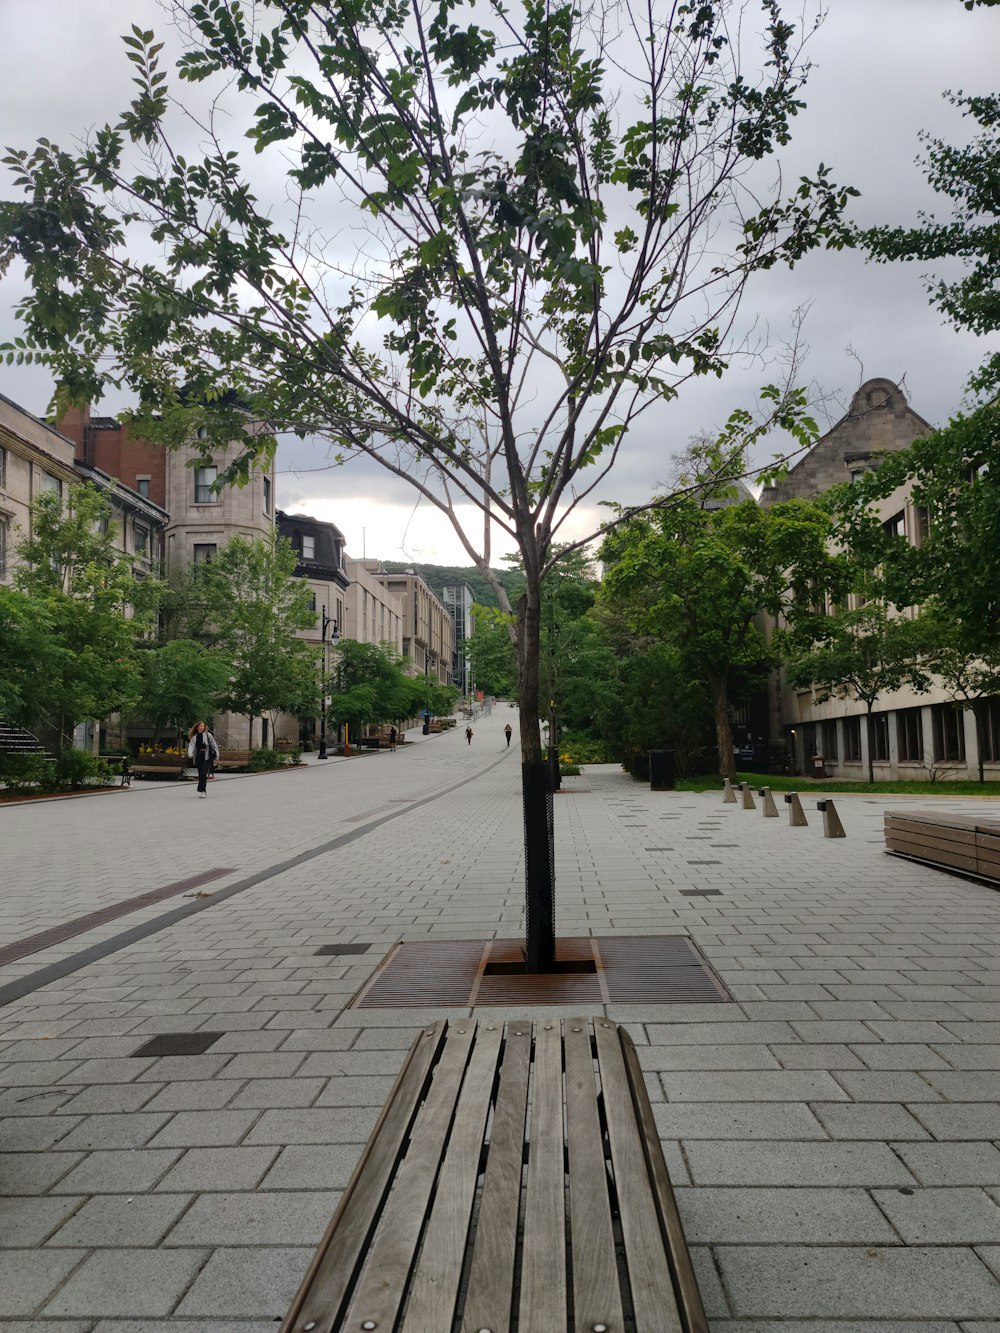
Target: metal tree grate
627	969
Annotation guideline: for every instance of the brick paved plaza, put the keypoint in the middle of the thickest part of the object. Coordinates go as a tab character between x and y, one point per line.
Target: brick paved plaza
831	1132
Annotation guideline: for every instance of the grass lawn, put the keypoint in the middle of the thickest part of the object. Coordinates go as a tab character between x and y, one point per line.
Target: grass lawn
778	782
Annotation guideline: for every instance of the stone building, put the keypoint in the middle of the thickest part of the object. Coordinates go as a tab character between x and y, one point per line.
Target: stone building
428	629
912	734
34	459
373	613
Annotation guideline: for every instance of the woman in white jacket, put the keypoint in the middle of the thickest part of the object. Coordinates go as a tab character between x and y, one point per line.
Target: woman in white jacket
203	752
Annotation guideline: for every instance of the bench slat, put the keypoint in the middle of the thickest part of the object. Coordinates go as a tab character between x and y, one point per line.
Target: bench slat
652	1287
379	1293
596	1291
543	1260
333	1267
685	1282
491	1277
434	1289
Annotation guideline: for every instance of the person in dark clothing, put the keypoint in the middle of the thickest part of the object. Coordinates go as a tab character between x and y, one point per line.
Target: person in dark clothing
392	738
468	735
507	731
203	751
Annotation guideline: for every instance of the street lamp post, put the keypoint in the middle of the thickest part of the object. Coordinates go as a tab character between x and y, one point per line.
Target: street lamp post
334	639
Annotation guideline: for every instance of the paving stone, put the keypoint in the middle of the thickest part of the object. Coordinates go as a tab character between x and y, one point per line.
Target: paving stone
262	1093
25	1222
735	1120
788	1163
857	1283
273	1218
966	1120
117	1172
108	1098
121	1221
887	1086
219	1169
941	1216
34	1172
114	1131
756	1086
355	1092
251	1282
32	1133
344	1125
814	1055
868	1120
775	1216
203	1095
109	1071
27	1277
303	1168
952	1163
715	1033
204	1129
127	1282
889	1055
963	1056
173	1068
966	1086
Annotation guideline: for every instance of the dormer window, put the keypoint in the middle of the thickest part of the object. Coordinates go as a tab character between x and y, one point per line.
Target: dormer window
308	548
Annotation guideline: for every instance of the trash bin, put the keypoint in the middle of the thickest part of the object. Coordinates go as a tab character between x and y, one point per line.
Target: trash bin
818	766
662	770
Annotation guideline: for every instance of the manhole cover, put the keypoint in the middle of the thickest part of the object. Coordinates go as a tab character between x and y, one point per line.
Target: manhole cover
628	969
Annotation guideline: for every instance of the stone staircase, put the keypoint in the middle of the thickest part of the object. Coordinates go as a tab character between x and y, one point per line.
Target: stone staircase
15	740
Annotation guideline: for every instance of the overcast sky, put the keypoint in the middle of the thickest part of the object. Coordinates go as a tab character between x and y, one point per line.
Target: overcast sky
880	69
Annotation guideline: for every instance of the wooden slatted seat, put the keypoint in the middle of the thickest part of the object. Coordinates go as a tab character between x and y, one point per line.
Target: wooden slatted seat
966	844
495	1193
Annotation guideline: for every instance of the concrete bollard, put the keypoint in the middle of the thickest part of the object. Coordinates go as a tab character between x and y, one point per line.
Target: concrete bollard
748	801
832	827
728	795
770	809
796	815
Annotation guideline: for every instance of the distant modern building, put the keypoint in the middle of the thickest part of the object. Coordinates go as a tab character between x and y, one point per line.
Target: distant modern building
428	629
373	613
459	599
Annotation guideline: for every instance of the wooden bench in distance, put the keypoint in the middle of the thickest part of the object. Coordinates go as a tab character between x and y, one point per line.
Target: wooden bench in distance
232	759
965	844
457	1208
159	763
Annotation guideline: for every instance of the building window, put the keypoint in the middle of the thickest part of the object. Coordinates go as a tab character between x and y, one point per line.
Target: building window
3	469
308	548
52	484
830	741
895	526
312	601
949	733
857	473
141	540
991	740
204	482
910	735
852	740
922	515
142	486
880	737
3	546
204	552
267	495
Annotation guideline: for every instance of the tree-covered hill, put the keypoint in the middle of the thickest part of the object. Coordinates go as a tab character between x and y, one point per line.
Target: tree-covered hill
436	576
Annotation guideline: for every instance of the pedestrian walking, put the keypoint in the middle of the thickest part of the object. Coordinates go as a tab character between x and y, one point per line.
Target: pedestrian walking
507	731
468	735
392	738
203	750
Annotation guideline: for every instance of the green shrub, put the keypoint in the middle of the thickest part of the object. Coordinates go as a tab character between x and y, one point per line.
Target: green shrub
585	750
79	768
262	759
20	773
569	770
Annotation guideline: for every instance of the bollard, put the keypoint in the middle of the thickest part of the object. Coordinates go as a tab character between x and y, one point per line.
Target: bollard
748	801
728	795
796	815
770	809
832	827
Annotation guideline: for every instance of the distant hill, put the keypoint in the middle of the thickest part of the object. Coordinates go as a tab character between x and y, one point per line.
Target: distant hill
436	576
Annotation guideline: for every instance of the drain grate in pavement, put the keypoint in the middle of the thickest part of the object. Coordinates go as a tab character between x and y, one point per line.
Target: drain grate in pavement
627	969
179	1043
10	953
327	950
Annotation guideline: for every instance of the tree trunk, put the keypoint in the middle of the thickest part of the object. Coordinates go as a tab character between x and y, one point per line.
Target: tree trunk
871	747
979	714
250	743
536	789
723	732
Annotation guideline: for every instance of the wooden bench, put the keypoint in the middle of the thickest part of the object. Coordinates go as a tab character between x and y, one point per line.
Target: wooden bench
158	763
965	844
232	759
493	1188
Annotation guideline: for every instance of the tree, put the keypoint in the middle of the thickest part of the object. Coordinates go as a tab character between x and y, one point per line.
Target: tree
491	652
861	654
970	675
700	579
83	597
182	682
252	607
369	685
551	247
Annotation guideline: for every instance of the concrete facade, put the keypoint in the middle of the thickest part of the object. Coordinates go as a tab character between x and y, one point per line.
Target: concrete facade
428	628
34	458
373	614
913	736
